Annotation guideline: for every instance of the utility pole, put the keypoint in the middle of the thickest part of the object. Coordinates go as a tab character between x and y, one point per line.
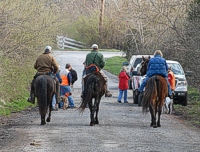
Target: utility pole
101	18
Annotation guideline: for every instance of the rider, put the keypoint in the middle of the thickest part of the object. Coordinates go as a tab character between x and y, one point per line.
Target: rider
94	59
45	65
156	66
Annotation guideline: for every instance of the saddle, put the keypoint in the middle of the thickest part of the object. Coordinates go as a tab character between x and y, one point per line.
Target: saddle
91	68
55	80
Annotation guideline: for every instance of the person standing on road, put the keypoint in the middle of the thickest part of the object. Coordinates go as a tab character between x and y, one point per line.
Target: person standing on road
95	62
54	107
123	84
74	76
65	85
156	66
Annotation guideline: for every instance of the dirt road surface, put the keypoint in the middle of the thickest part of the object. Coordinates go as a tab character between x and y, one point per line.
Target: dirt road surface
123	128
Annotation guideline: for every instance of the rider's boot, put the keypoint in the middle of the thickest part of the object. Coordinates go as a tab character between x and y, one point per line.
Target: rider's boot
32	93
107	93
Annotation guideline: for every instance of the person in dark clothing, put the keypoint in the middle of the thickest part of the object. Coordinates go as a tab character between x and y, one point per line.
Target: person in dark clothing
74	76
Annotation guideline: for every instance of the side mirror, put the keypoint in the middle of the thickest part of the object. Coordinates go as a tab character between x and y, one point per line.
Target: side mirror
125	63
135	73
188	73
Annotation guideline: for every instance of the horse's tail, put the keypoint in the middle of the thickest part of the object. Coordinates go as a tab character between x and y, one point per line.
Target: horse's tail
150	93
42	95
87	93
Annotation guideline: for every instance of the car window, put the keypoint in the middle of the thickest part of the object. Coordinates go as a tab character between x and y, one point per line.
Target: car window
176	68
137	61
132	58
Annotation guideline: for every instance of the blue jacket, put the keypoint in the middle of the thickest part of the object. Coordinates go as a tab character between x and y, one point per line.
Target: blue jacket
157	66
58	76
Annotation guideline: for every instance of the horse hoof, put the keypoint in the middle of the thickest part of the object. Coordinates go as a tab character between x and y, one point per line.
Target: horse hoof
43	123
154	126
48	119
92	124
96	122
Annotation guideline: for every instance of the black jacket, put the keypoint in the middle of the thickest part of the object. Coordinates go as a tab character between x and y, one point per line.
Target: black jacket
74	75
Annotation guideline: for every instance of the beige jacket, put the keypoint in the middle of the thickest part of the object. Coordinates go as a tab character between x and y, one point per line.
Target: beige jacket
46	63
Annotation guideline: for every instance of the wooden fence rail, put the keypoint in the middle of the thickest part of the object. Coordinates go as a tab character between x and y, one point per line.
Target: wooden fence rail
67	43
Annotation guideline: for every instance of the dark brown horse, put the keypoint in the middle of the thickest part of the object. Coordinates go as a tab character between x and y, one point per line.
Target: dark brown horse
94	89
44	91
144	65
155	93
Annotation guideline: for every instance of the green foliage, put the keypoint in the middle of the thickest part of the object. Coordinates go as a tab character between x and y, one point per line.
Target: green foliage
26	28
15	80
84	29
114	64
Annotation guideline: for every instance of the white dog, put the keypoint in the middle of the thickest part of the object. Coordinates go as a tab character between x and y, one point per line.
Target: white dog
167	105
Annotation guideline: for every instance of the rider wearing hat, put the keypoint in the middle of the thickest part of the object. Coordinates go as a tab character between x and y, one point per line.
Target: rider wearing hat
156	66
45	64
95	62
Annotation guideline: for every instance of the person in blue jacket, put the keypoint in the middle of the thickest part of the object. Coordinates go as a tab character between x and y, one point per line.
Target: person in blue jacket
54	107
156	66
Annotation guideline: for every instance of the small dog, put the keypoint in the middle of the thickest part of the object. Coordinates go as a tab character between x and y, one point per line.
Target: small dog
65	101
167	105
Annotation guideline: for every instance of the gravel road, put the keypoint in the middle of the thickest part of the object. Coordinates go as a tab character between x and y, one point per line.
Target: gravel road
123	128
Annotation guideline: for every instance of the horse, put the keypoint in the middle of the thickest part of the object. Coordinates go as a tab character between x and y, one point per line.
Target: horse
143	65
155	93
94	89
44	91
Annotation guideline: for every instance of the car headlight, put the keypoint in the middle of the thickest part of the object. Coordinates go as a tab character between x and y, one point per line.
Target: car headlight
182	83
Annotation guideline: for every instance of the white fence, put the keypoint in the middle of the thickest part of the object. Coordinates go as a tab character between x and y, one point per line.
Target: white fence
67	43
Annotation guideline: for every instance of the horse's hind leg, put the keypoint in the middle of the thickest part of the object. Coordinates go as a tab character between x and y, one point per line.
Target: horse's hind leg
43	122
153	118
50	108
97	110
91	106
159	114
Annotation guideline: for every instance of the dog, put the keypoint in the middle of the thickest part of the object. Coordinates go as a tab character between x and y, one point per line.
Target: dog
167	107
65	100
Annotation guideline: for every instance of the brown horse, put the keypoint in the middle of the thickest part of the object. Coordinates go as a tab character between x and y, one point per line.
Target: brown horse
155	93
94	89
44	91
144	65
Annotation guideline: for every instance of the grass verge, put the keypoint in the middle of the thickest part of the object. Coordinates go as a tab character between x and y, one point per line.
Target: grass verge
19	104
114	64
191	112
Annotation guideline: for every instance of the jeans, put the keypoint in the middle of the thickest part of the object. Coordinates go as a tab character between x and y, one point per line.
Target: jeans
66	89
54	101
121	94
145	82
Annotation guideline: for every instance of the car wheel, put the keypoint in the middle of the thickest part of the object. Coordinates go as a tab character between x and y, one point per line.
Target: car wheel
135	98
184	100
130	84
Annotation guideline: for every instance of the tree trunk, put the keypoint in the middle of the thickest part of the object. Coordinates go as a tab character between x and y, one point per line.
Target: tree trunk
101	18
